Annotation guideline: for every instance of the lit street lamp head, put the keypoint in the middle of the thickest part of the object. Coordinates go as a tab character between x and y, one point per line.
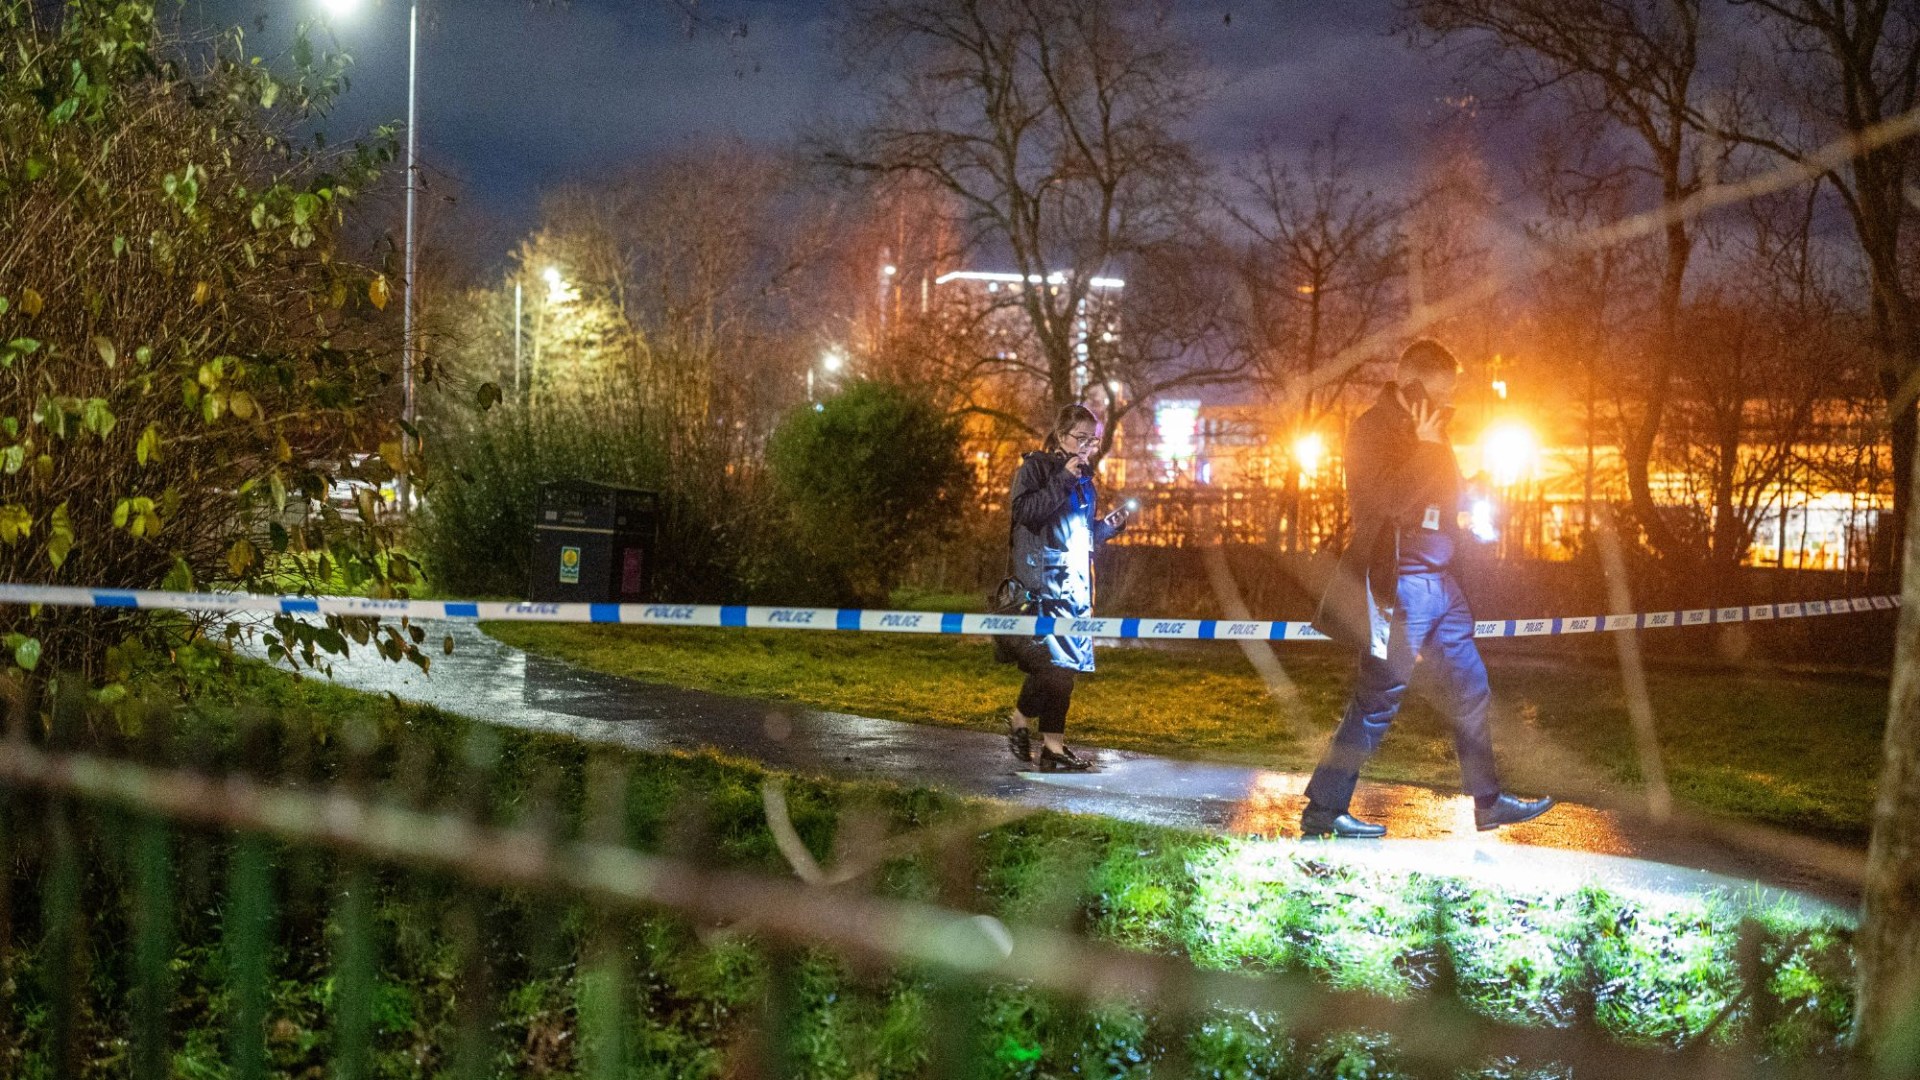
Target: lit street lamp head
833	361
340	8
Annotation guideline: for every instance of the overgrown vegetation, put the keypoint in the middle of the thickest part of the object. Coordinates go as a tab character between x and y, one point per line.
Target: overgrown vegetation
690	999
189	361
487	467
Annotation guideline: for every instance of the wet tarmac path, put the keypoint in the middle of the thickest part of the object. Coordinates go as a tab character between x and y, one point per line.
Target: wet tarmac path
1430	830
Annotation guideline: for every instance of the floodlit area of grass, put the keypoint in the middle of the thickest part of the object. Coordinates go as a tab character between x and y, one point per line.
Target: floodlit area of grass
1795	750
682	999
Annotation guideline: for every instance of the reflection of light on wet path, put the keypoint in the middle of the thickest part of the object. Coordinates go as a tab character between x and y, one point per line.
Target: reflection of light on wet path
1268	804
497	684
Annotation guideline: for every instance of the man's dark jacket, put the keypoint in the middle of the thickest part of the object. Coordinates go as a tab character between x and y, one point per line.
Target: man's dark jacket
1392	477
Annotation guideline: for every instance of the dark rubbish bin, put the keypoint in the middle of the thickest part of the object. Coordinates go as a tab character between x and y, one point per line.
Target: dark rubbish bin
592	543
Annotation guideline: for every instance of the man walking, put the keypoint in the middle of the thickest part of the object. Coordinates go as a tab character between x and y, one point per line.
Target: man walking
1394	597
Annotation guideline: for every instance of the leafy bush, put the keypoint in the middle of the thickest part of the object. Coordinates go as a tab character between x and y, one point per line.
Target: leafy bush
186	360
870	477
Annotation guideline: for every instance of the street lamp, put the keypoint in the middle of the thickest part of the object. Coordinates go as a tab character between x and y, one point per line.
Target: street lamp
342	8
831	361
558	293
1509	451
1309	451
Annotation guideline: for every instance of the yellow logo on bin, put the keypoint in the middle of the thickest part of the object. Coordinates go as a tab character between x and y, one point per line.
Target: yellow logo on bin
569	566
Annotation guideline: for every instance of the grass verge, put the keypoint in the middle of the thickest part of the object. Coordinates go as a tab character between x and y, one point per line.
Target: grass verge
1774	747
675	1000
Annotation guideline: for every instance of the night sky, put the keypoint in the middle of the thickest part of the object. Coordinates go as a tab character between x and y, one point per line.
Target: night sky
518	96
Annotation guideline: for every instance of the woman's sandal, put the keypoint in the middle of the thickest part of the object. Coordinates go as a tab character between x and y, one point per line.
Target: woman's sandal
1064	761
1020	741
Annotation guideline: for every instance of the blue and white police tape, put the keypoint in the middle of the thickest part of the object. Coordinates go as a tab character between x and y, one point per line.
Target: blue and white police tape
894	622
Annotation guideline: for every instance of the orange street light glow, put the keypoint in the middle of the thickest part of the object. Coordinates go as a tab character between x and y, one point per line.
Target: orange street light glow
1310	450
1509	451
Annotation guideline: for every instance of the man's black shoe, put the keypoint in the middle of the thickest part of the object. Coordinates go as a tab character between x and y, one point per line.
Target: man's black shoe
1508	810
1318	821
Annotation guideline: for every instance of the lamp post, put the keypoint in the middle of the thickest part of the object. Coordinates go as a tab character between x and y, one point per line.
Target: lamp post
831	362
408	342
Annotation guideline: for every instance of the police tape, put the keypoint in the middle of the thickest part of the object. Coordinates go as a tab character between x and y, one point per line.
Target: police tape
874	621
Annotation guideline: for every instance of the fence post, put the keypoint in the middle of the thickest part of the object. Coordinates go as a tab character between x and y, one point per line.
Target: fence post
473	1047
248	933
353	976
153	908
60	956
602	984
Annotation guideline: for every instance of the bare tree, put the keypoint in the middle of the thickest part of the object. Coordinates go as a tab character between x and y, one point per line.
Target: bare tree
1840	67
1053	123
1635	64
1319	270
1864	70
1582	306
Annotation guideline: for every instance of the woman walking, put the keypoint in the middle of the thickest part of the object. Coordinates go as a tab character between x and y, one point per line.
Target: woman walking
1054	533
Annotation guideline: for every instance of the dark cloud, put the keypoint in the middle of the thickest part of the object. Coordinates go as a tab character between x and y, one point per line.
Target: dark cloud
516	96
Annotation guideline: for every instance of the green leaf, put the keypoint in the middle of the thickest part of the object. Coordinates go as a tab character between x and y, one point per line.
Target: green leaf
180	578
278	538
16	524
148	448
241	557
489	395
122	510
64	111
13	458
97	417
27	653
59	536
108	354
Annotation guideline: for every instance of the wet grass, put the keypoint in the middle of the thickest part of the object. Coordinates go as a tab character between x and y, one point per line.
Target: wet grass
688	1000
1783	748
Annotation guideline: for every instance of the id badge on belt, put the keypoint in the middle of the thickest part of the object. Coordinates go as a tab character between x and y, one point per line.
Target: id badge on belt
1430	521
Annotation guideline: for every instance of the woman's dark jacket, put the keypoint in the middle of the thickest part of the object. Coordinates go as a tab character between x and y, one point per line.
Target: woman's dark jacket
1055	529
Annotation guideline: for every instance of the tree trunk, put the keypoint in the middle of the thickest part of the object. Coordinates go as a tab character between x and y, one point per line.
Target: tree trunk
1889	940
1903	429
1643	436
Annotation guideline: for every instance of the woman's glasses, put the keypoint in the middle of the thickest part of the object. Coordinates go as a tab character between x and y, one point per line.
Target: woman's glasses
1079	441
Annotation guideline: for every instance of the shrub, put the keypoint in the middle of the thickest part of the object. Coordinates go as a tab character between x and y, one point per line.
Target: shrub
185	359
870	477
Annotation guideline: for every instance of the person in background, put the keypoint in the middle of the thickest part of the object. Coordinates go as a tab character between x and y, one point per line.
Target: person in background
1394	598
1055	529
